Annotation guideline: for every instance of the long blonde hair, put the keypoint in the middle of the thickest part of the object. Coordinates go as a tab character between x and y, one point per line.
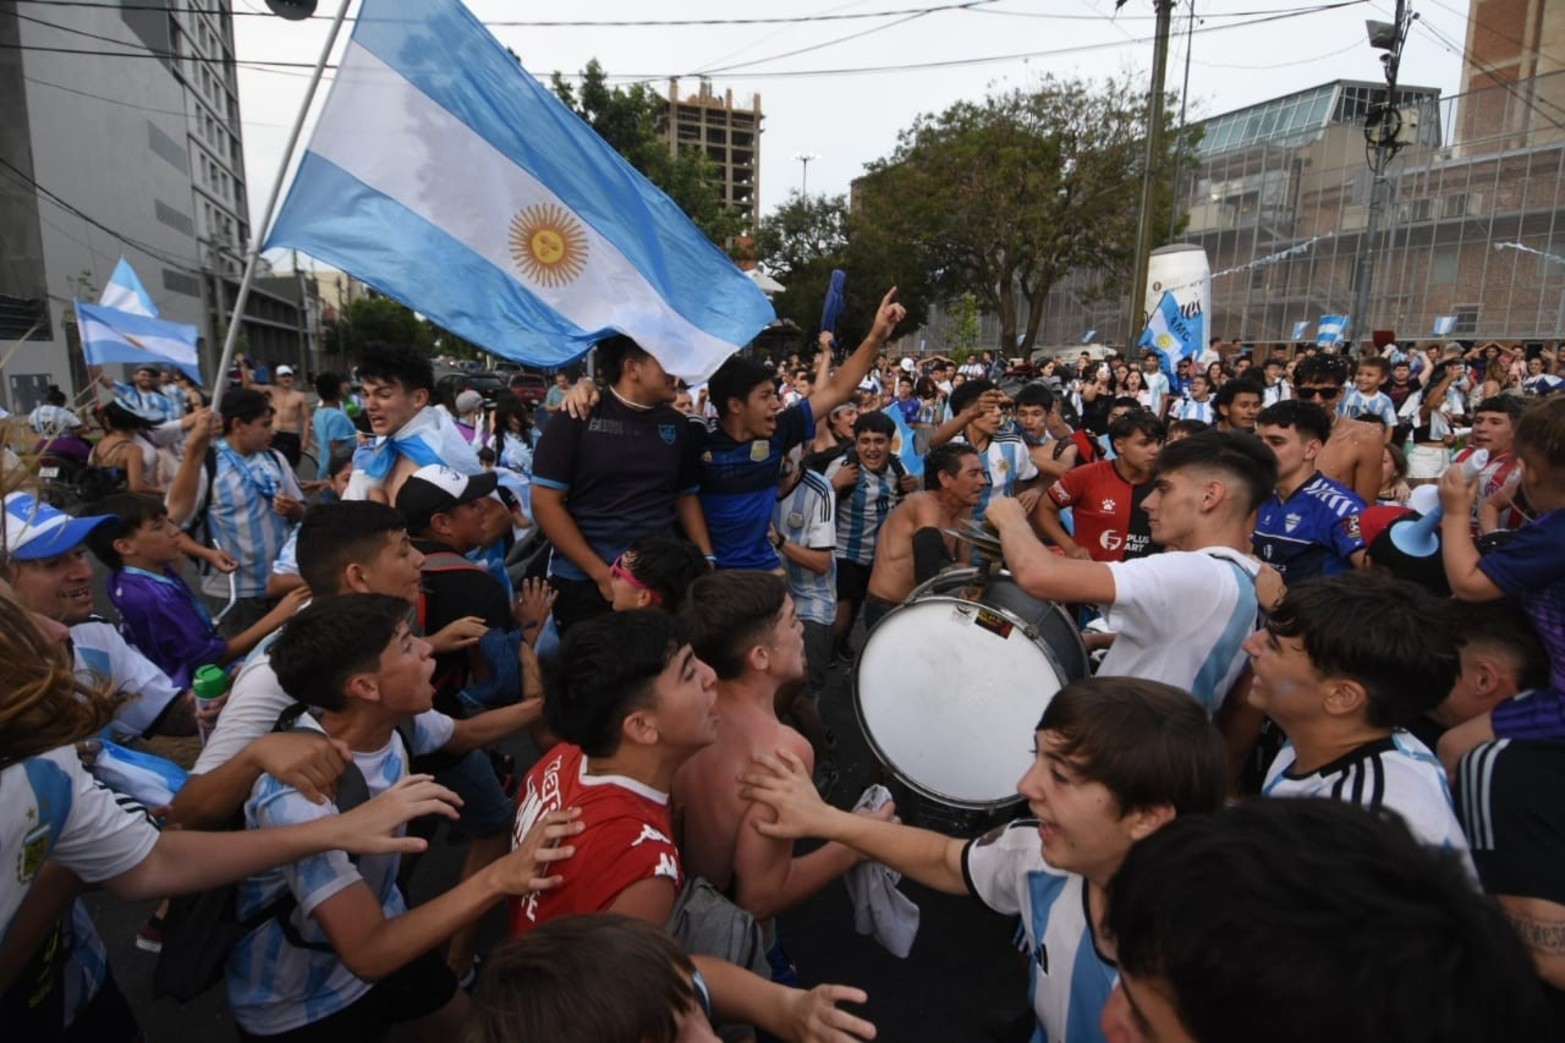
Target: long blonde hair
43	704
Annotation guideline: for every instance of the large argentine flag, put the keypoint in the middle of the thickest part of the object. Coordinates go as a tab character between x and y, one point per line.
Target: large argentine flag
1170	334
445	176
125	292
109	335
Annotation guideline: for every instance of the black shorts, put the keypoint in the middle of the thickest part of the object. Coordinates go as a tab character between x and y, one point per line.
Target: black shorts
287	443
852	580
416	991
579	600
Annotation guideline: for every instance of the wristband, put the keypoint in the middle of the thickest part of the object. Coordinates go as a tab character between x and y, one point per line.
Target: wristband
711	559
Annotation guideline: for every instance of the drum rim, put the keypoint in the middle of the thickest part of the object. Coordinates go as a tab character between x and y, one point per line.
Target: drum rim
961	803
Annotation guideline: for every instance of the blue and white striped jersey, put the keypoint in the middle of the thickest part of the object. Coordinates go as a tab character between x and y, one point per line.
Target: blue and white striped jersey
273	986
1397	773
240	517
1190	409
1069	981
1356	404
862	511
1006	461
807	516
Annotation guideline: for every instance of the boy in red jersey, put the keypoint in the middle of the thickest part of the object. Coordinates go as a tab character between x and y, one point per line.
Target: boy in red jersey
1105	497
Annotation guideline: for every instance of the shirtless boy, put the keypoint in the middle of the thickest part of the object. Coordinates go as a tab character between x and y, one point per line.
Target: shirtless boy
1351	455
913	545
744	626
290	414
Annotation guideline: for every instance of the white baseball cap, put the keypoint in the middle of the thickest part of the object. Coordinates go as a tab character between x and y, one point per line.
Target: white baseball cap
285	371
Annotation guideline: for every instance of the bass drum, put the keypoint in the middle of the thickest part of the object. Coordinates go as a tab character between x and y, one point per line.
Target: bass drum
950	686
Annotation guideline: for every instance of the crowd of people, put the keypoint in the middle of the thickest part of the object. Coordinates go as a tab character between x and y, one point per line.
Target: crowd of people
1310	790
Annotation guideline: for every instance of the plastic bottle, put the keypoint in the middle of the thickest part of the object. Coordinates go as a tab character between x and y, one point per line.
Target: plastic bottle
209	684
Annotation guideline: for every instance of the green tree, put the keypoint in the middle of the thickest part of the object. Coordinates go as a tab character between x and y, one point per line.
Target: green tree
376	318
806	237
967	326
631	120
1002	197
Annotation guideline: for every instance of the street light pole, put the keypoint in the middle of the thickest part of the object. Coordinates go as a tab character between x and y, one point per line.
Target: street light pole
805	159
1382	127
1149	181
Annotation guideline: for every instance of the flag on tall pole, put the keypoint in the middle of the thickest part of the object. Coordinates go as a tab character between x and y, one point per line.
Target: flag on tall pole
1170	334
110	335
124	292
444	175
1329	331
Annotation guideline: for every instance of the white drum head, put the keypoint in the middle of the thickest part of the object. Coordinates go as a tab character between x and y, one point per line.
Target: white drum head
949	693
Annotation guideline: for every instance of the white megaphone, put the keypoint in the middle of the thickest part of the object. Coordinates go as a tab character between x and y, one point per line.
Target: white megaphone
1420	539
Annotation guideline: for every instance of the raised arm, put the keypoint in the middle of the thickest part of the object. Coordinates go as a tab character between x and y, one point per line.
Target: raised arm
1039	572
843	383
185	490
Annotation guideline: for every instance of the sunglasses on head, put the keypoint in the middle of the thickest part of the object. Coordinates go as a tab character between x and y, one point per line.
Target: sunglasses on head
1308	393
618	570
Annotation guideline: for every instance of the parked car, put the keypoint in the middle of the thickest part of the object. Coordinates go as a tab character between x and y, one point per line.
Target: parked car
531	388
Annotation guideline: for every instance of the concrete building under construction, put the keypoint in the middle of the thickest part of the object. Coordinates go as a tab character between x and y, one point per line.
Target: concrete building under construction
730	137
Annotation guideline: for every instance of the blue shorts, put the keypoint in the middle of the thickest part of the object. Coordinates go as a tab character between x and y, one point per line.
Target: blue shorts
485	809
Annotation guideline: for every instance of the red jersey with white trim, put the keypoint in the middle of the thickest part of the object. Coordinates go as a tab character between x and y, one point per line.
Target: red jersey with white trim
1109	522
1491	480
629	837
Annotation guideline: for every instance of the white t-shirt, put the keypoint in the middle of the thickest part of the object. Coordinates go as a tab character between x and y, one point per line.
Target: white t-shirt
51	809
1397	773
1181	618
1070	980
101	653
273	986
256	700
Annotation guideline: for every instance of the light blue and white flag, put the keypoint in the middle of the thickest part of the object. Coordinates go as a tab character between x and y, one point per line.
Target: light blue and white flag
905	443
1444	324
1329	331
445	176
1300	328
109	336
125	292
1086	338
1170	334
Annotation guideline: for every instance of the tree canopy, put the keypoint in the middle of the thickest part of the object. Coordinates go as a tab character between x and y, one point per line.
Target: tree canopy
631	120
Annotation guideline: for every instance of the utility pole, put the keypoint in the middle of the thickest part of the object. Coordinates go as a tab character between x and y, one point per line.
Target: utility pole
1382	133
1138	278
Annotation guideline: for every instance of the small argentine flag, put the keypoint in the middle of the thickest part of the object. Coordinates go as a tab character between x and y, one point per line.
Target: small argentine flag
1444	324
109	336
1328	332
1300	328
1087	338
1170	334
905	443
444	175
125	292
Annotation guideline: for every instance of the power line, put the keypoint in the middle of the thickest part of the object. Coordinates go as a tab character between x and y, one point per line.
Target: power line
279	66
133	105
653	23
827	43
1473	20
16	174
1508	86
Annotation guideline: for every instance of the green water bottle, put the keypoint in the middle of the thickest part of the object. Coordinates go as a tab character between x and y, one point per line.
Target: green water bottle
209	684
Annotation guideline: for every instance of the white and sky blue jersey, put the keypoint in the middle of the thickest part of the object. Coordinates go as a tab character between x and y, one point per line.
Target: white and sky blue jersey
240	517
273	986
152	404
1190	409
101	653
861	512
1397	773
807	517
1069	981
1356	404
1006	461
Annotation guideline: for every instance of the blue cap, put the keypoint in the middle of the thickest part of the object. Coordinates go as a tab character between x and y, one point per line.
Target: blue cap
35	530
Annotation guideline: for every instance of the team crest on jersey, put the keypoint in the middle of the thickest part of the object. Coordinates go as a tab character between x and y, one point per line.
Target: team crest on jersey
1108	506
666	432
706	457
35	849
1350	525
759	451
1291	522
795	520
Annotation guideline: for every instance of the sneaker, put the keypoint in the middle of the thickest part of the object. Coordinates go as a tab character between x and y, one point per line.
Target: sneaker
150	937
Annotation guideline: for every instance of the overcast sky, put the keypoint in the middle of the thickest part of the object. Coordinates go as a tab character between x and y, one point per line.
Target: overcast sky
847	120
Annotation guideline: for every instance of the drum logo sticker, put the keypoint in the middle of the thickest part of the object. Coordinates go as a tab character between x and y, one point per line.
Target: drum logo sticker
994	623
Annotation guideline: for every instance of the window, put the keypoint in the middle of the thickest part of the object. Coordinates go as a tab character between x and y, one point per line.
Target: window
1466	320
1443	264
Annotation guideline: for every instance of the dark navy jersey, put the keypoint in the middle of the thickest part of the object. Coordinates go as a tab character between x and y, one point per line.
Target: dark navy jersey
1314	532
739	487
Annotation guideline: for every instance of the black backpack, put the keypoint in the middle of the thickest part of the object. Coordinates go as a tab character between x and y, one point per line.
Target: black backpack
201	930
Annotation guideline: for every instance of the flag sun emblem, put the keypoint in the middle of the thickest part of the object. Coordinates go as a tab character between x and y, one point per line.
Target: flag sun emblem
548	244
